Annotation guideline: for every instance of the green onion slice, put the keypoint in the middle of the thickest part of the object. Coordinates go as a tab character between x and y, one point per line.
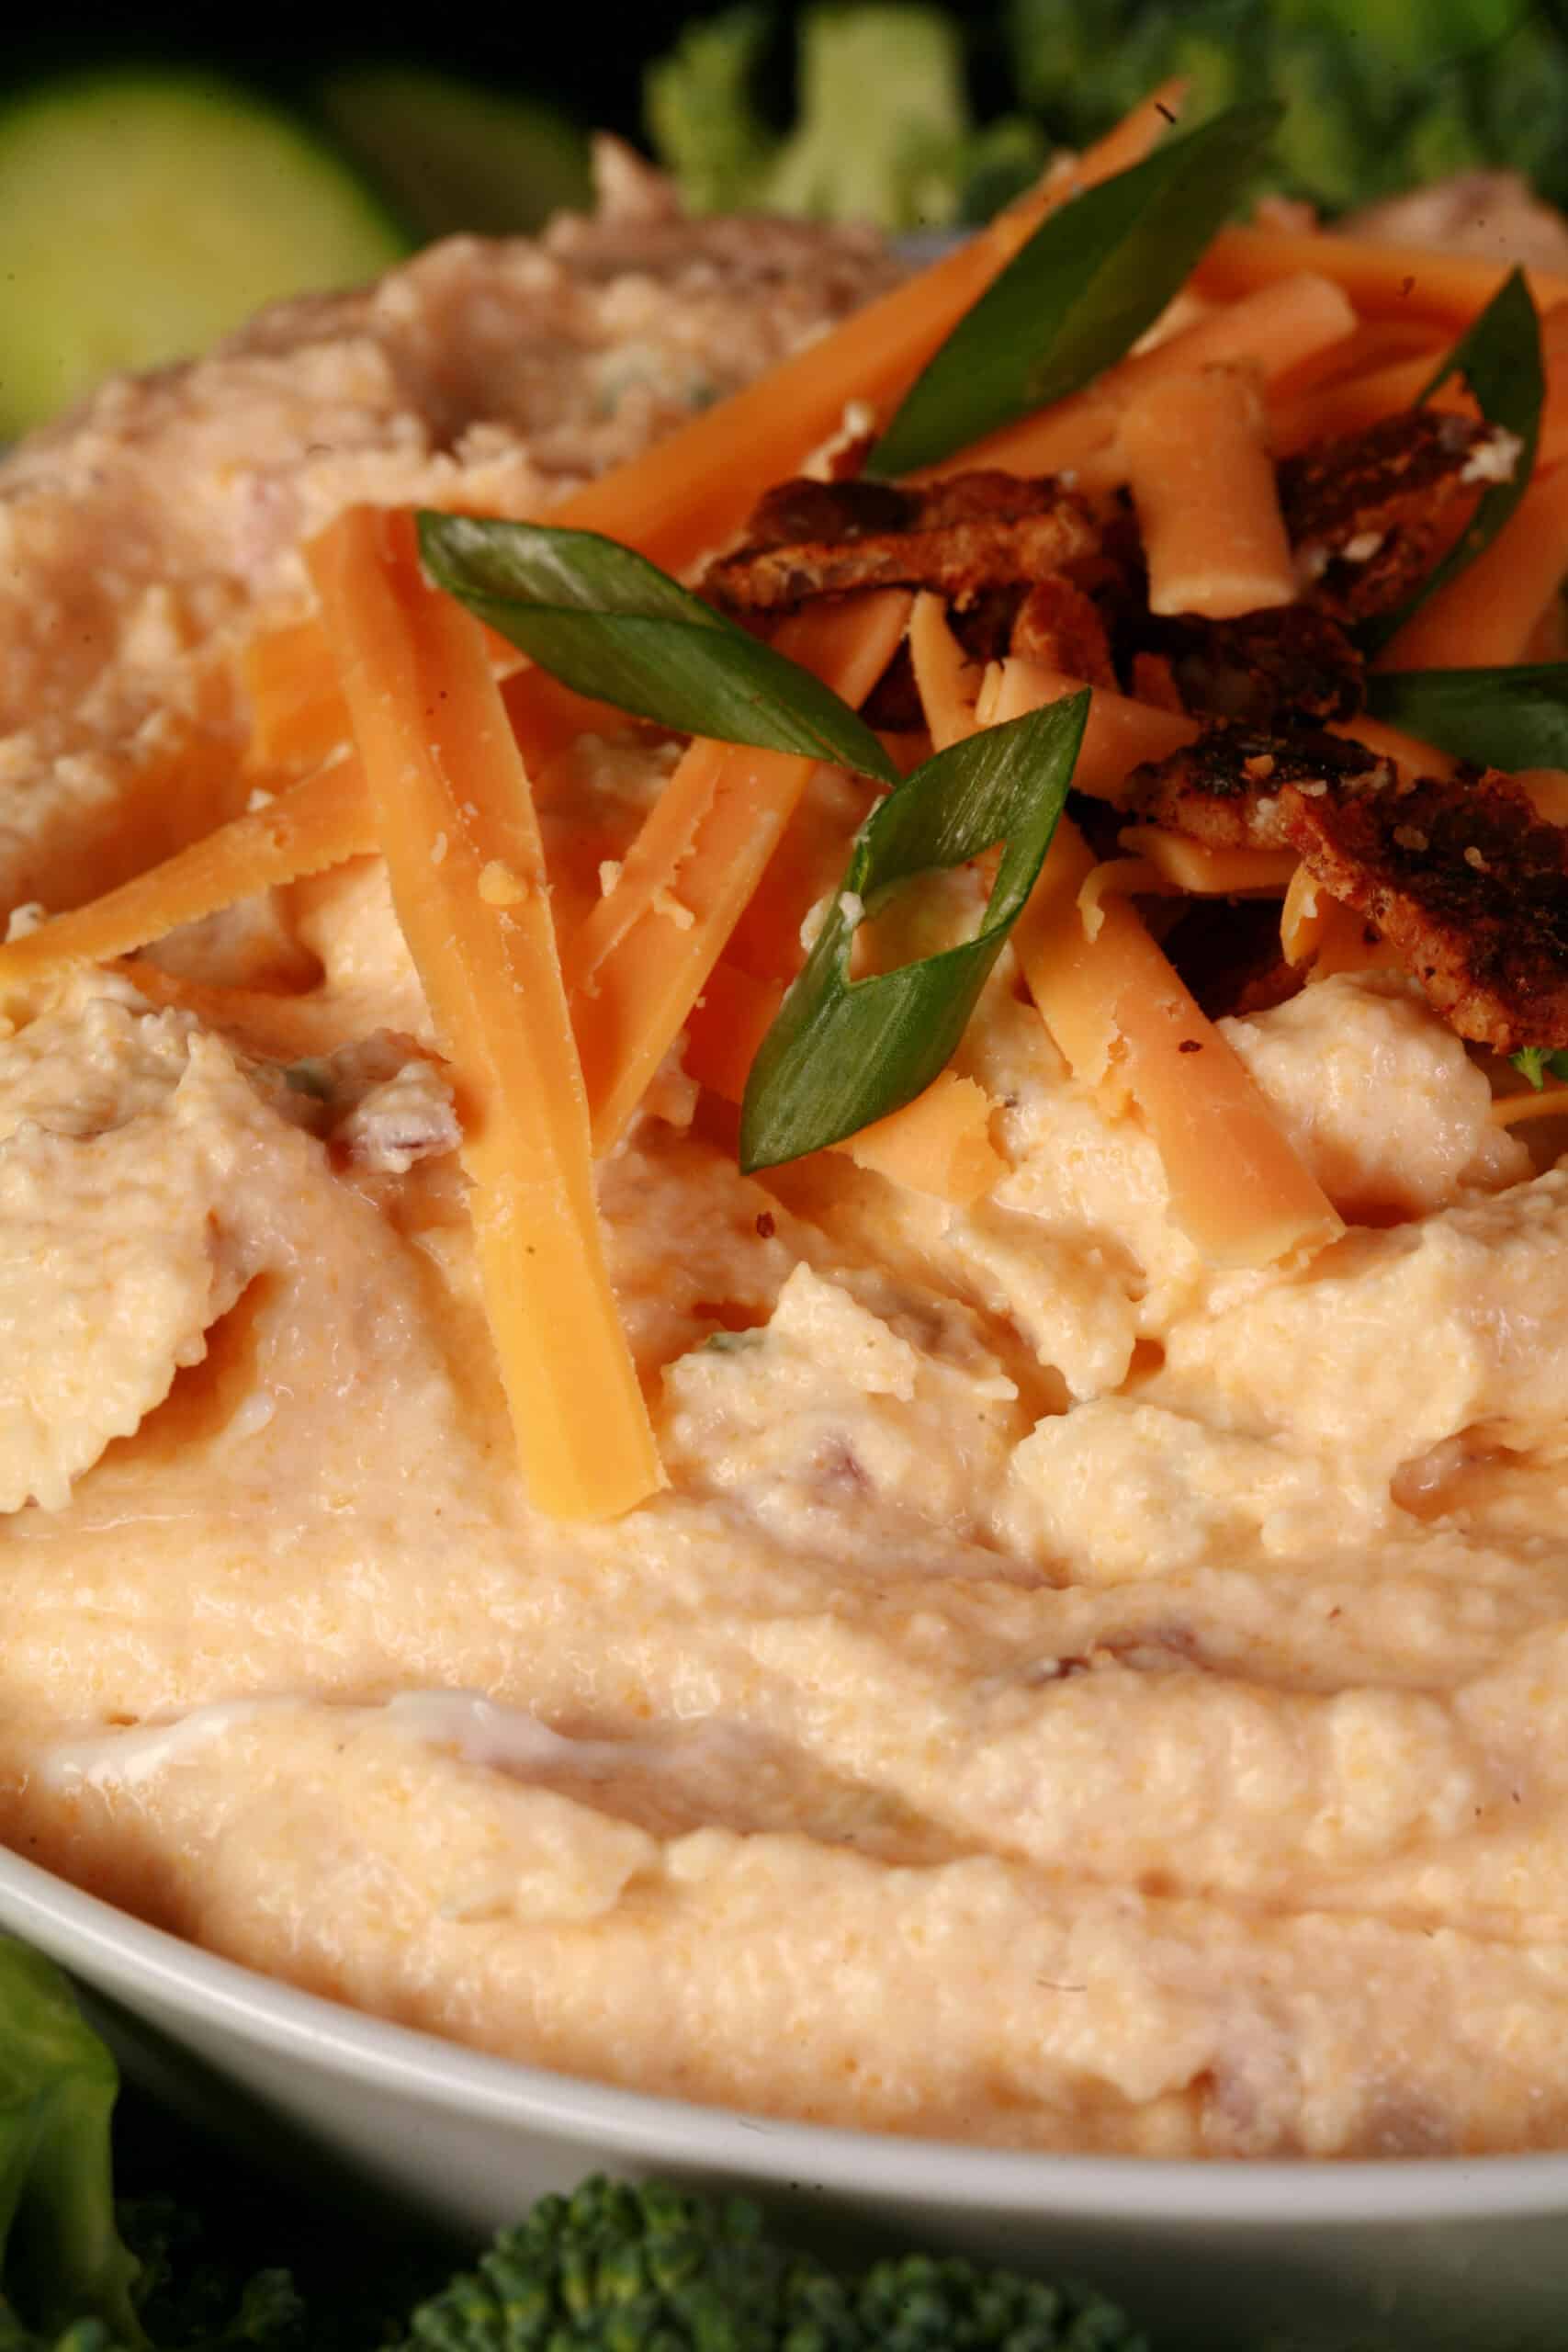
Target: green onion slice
1090	279
1499	358
611	625
842	1052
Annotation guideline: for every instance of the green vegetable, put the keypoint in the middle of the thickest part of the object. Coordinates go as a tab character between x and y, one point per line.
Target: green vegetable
1512	718
1079	293
143	215
614	626
611	625
907	159
701	120
885	131
1534	1061
608	2269
451	157
1499	358
62	2257
617	2269
1383	95
842	1052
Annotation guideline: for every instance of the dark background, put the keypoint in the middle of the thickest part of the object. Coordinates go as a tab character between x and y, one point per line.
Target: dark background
586	56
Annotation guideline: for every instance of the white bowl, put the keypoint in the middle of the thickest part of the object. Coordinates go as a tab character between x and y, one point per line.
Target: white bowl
1323	2257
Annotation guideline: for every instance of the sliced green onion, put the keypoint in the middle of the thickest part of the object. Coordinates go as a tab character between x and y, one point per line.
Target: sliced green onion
842	1052
1077	296
611	625
1511	718
1499	358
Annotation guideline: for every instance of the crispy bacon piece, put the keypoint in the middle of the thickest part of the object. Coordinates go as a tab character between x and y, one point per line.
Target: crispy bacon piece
962	537
1226	790
1056	624
1228	952
1466	883
1366	513
1266	670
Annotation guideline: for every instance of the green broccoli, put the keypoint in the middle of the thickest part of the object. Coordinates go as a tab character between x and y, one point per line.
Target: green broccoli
651	2269
885	131
1381	95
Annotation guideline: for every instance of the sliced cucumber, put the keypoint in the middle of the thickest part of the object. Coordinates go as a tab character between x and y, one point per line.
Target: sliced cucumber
143	214
451	156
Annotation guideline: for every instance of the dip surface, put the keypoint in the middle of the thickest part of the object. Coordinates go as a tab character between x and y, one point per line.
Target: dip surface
1066	1697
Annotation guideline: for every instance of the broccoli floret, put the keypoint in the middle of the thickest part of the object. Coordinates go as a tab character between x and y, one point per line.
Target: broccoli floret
651	2269
1381	95
884	133
701	119
644	2270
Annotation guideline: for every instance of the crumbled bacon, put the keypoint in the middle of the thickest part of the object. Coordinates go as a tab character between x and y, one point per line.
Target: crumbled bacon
1226	788
1366	513
1057	625
1267	669
962	537
1466	884
1228	952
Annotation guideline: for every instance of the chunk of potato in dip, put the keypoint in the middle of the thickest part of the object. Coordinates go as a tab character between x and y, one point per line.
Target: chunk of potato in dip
1067	1696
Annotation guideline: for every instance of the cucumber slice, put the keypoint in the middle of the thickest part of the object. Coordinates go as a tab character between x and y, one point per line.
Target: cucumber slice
453	157
143	214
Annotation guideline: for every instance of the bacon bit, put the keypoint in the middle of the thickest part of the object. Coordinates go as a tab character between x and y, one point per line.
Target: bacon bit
1190	1045
1267	669
766	1224
1212	789
1060	627
960	536
1365	511
1154	681
1487	941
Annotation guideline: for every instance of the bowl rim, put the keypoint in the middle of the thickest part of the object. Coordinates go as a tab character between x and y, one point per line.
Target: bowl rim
112	1949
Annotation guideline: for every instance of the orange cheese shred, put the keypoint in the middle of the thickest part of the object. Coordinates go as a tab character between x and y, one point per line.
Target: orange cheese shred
642	957
728	1024
1321	935
1411	755
940	1143
1202	482
696	488
1275	331
1128	1025
1488	613
946	679
1121	734
1547	789
1123	877
1407	281
1351	403
1207	872
1517	1110
299	716
321	821
457	825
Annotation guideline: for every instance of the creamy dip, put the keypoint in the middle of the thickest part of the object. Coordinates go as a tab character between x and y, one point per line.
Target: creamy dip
1066	1697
